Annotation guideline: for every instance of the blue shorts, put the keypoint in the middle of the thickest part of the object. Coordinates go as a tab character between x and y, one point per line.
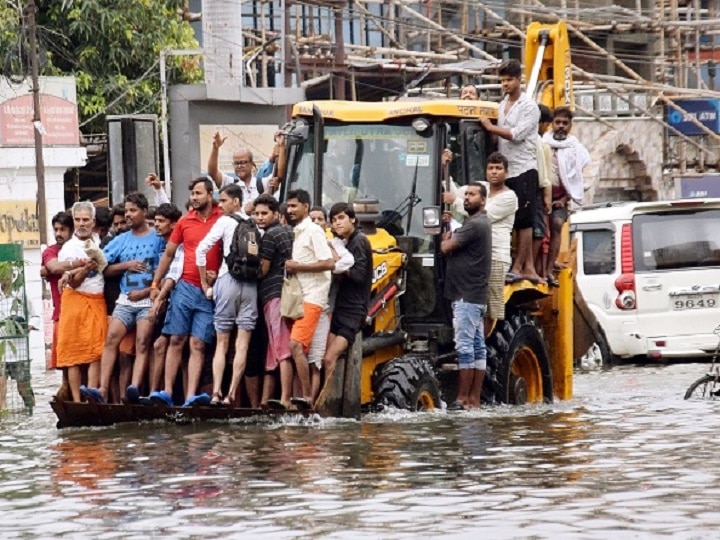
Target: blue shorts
235	304
130	315
190	313
470	334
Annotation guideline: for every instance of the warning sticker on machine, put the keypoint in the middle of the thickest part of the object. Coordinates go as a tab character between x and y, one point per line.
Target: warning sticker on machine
417	147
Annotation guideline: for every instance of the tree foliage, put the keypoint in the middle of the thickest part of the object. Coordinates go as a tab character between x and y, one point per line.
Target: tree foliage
112	48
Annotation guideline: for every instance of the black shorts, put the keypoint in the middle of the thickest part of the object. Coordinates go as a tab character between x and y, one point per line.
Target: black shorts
257	349
347	325
525	186
540	222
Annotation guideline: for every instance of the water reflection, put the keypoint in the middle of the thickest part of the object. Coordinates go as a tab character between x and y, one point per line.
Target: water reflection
627	454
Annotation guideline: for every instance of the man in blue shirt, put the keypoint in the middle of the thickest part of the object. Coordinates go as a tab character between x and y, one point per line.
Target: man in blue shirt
135	256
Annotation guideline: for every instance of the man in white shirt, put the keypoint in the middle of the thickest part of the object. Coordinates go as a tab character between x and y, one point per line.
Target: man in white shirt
569	158
516	131
235	300
312	261
83	319
500	207
243	164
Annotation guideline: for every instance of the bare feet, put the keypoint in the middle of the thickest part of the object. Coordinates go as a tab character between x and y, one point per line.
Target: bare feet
534	278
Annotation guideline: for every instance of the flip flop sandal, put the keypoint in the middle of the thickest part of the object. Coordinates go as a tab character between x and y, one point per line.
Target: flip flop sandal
276	405
552	281
201	400
92	394
456	406
302	404
161	397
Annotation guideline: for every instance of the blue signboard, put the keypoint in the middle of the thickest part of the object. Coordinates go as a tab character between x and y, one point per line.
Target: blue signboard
694	187
705	111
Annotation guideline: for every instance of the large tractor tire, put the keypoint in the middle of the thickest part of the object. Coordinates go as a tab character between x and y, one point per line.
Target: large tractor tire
407	383
518	363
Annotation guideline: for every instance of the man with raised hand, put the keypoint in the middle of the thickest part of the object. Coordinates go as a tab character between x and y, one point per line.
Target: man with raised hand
166	217
243	165
516	131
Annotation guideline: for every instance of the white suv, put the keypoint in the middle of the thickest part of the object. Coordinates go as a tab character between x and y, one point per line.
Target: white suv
650	272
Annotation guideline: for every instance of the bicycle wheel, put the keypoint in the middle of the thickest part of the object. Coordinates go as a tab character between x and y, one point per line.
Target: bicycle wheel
706	387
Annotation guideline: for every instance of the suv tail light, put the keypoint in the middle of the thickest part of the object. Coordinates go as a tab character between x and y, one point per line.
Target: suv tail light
625	284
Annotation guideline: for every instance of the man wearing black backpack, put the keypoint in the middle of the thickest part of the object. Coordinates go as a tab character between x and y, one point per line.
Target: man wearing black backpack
235	291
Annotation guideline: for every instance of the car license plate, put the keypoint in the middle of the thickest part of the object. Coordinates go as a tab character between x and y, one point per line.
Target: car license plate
695	301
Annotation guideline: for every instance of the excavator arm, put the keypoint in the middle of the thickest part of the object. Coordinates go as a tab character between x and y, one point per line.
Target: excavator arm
548	67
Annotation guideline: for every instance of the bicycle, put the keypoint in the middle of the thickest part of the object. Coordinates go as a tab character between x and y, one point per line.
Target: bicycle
708	386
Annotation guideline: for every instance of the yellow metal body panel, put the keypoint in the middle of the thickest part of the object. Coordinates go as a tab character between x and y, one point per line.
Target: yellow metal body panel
369	363
556	320
513	289
381	111
556	66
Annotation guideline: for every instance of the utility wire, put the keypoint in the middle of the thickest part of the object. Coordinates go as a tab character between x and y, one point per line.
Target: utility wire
124	93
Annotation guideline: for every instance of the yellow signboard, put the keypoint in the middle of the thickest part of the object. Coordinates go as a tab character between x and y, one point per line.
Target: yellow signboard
19	223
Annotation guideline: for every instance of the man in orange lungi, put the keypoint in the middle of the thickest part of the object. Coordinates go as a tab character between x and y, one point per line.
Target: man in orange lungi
83	321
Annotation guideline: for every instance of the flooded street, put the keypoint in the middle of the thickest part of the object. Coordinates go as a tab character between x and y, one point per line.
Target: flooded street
626	458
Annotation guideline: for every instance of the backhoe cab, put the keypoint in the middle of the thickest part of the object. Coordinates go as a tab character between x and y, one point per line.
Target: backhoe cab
385	158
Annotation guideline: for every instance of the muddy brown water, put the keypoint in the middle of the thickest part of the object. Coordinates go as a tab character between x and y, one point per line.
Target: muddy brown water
625	458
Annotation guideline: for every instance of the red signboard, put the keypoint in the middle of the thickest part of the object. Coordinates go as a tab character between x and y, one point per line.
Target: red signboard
59	119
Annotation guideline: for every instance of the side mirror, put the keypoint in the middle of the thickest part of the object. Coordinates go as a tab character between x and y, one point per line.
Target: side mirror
298	134
432	222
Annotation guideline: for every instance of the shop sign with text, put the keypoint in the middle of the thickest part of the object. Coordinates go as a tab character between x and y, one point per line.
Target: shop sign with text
19	223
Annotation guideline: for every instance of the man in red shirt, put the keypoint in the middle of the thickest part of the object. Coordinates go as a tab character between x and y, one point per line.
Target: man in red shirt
51	271
190	312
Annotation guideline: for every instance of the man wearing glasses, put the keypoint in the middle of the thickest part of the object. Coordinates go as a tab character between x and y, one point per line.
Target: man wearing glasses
243	165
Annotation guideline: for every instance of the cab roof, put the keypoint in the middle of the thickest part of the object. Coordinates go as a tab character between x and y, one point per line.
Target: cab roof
379	111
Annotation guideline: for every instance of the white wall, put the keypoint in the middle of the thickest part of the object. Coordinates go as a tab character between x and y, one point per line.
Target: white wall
18	183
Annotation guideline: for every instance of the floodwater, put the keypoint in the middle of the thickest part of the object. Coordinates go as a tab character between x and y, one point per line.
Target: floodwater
625	458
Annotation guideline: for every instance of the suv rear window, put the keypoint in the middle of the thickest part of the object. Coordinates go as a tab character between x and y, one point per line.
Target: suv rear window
673	240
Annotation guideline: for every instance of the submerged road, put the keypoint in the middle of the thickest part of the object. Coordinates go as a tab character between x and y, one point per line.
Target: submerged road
625	458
